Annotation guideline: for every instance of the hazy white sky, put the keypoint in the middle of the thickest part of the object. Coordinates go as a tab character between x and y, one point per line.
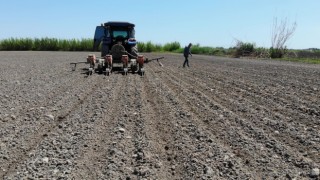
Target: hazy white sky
207	22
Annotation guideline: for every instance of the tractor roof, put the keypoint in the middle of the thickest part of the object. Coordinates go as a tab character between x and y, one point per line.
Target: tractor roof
118	23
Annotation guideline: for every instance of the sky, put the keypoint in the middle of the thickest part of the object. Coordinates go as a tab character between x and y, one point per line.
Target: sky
214	23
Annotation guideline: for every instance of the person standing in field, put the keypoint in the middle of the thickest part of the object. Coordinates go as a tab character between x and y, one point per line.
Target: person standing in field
186	53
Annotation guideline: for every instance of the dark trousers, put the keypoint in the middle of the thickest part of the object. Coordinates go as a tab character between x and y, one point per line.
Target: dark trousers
186	61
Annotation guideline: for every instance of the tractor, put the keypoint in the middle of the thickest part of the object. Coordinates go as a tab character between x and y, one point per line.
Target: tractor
118	46
118	50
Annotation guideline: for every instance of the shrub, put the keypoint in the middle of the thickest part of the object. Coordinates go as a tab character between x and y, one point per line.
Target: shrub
171	47
16	44
64	45
243	49
281	33
277	52
149	47
197	49
262	52
141	47
7	44
45	44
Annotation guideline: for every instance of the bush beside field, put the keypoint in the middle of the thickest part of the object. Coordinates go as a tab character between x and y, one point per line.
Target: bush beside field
241	49
53	44
45	44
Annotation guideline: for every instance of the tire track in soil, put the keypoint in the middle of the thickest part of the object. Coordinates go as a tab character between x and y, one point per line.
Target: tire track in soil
92	156
191	164
266	117
263	70
141	158
248	96
297	103
179	152
48	100
184	84
63	145
154	156
20	84
129	151
51	99
115	150
120	149
253	98
228	72
175	157
13	87
266	82
158	127
222	76
22	153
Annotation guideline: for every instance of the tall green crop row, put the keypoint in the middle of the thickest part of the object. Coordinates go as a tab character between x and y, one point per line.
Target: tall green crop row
241	49
171	47
149	47
45	44
54	44
16	44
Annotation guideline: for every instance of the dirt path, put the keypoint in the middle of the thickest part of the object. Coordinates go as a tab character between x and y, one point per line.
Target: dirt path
219	119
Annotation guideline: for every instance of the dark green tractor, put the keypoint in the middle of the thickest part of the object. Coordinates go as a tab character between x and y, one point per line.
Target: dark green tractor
118	46
118	50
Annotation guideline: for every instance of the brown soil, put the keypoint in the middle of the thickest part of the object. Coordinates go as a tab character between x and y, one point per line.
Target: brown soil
221	118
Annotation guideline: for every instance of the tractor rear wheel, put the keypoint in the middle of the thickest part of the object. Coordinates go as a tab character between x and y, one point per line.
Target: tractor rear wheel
134	52
117	51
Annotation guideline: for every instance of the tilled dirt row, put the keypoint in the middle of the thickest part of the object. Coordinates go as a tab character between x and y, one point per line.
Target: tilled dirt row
219	119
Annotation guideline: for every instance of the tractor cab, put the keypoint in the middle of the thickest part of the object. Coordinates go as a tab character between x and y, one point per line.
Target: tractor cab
112	33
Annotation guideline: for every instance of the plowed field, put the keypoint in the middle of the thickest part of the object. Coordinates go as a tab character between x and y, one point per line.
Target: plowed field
221	118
